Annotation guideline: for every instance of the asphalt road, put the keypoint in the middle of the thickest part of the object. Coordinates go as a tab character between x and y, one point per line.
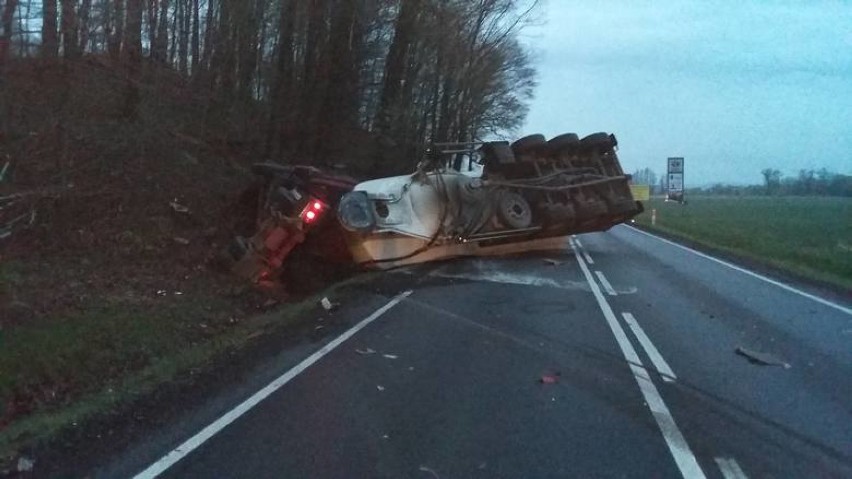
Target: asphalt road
634	338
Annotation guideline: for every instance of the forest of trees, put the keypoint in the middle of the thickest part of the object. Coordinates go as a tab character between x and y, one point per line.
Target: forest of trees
302	77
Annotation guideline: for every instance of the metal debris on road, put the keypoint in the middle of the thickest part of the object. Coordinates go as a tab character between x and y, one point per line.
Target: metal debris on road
177	207
430	471
4	170
328	305
380	388
270	303
763	359
390	356
365	352
25	464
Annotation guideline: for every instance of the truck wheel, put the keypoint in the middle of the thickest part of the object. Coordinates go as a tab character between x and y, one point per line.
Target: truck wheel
564	142
514	211
597	140
529	144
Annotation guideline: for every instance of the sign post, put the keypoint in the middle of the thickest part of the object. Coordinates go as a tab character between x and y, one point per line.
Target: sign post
675	180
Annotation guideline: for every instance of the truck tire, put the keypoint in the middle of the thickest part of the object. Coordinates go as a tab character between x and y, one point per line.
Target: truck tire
514	211
562	143
597	141
529	144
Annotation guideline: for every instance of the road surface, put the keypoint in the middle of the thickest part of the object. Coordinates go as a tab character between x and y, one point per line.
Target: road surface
618	359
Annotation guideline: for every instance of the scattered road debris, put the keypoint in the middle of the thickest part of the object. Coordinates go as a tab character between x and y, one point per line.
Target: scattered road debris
271	303
763	359
328	305
365	352
553	262
430	471
4	170
178	208
390	356
550	378
25	464
181	241
380	388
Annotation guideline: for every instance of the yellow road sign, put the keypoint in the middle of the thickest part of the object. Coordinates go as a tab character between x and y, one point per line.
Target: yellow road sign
641	192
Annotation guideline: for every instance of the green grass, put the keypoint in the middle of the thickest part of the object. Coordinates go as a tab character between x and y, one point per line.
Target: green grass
809	236
98	360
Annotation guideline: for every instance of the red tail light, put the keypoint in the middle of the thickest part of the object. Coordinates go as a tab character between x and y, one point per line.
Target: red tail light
312	211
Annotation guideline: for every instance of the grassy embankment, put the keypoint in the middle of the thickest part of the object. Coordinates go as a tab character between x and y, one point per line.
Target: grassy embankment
808	236
65	369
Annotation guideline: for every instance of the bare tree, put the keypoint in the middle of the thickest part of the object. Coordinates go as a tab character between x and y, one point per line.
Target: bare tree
70	37
49	29
7	20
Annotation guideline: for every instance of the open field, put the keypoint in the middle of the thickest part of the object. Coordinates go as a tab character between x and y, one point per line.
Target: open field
809	236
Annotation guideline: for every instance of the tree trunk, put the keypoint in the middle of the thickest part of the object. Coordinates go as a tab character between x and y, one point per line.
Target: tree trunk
160	41
84	18
133	32
196	36
117	33
209	37
70	40
282	89
184	23
8	18
397	64
49	30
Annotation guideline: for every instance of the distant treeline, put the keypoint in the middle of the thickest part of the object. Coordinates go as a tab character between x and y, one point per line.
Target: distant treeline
820	182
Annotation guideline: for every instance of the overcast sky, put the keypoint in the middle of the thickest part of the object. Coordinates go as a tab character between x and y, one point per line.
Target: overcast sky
733	86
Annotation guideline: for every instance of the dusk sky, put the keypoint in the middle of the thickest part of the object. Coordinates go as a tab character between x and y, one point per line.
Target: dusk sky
732	86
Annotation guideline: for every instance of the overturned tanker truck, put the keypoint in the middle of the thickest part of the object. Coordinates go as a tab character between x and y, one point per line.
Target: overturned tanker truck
464	199
489	198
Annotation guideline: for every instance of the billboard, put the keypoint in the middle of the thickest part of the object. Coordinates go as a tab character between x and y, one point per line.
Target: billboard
675	179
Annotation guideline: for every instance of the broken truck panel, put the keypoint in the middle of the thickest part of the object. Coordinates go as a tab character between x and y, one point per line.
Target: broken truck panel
509	198
295	210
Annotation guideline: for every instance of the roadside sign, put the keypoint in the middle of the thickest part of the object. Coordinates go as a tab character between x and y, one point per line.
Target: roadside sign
641	192
675	177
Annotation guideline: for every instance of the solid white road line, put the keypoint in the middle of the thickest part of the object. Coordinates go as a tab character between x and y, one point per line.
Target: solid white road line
605	283
205	434
678	447
656	358
781	285
730	469
582	249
